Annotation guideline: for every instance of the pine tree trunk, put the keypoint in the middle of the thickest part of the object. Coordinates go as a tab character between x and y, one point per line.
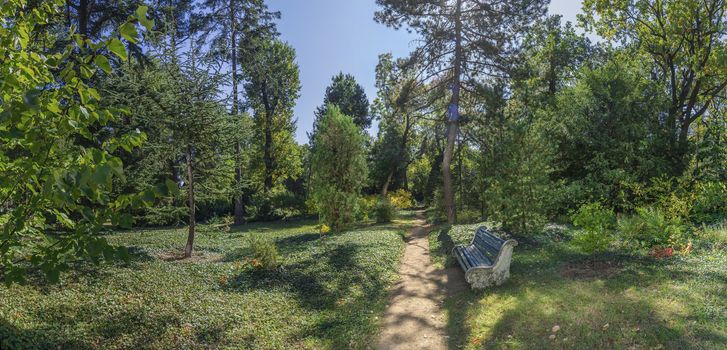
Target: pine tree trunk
385	187
453	121
268	152
239	212
190	203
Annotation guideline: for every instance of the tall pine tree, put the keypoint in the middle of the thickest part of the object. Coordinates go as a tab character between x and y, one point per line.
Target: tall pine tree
461	42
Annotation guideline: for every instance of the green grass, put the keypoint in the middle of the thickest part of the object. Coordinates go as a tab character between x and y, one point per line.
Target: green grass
678	303
327	294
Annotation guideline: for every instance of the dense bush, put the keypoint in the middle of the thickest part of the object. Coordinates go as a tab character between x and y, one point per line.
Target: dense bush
710	202
596	225
650	227
366	206
339	168
401	199
385	211
517	185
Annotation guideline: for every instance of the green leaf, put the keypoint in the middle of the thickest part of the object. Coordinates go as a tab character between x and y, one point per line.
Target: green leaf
86	72
141	17
126	220
103	63
172	187
128	31
117	48
148	196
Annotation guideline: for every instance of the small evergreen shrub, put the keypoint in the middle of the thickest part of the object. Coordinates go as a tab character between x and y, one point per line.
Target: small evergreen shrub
264	253
339	168
401	199
650	227
384	211
596	226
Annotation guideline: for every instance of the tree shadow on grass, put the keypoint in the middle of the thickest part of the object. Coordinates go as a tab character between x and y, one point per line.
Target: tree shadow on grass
332	282
295	241
88	272
315	288
13	337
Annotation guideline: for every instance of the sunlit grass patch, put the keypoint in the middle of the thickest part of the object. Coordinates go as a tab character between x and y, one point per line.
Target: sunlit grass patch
645	303
327	293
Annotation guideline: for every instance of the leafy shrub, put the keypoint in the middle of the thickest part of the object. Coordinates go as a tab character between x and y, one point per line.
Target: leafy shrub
323	230
366	206
384	211
710	202
264	253
401	199
650	227
596	224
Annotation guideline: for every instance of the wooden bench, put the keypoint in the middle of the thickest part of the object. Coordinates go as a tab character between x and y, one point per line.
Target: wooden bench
486	261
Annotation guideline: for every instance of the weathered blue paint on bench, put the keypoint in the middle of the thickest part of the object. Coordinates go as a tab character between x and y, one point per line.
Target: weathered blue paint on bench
486	261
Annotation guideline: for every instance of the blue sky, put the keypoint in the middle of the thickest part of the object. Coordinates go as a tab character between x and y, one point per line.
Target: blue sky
332	36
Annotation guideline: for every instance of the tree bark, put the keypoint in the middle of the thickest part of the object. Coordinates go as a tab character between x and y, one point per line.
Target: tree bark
268	153
83	11
190	202
453	121
239	211
385	187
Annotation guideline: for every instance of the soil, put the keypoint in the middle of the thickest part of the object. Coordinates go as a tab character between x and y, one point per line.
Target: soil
414	317
590	269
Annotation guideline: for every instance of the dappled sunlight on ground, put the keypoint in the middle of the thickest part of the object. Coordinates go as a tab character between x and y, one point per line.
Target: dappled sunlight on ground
677	303
327	293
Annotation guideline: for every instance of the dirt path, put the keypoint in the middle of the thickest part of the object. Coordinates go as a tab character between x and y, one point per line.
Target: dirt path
414	318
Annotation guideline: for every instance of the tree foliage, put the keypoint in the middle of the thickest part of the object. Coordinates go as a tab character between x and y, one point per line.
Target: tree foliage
686	41
461	41
56	176
350	98
339	168
272	88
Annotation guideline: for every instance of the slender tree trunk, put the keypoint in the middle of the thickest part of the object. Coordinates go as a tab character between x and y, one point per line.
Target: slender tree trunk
453	121
190	202
268	142
385	187
238	211
268	161
268	153
83	11
459	174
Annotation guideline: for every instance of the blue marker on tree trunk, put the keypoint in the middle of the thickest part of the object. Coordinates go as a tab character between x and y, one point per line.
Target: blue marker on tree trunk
453	112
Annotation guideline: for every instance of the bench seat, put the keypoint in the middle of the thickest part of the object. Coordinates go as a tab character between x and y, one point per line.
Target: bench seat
486	261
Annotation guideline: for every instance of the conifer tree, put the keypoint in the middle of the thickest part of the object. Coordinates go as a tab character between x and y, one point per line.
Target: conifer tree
461	41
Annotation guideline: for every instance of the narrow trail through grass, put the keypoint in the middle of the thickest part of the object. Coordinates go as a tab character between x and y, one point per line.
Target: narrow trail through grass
414	318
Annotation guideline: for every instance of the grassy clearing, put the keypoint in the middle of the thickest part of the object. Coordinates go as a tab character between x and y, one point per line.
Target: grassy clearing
326	294
637	303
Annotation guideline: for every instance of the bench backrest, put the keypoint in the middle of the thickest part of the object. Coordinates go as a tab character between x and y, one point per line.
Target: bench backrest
487	243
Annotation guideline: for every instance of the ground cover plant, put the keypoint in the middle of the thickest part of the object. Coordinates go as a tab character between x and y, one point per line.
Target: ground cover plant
326	293
557	298
119	118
